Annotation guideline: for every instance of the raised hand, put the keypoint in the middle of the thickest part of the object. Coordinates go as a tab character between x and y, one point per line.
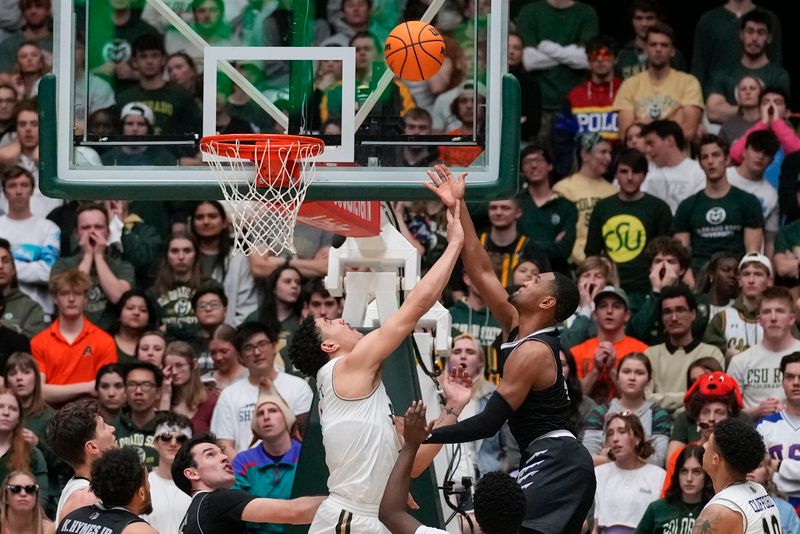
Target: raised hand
457	389
415	428
455	232
446	186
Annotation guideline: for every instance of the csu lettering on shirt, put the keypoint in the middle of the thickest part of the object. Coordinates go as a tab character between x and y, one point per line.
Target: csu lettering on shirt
768	376
79	527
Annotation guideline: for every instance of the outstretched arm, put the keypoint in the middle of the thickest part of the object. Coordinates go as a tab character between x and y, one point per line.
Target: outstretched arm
477	264
299	511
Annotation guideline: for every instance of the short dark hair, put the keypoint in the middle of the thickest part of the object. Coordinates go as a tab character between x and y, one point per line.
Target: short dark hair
247	330
315	285
71	427
363	35
774	89
763	141
147	42
91	206
711	139
418	114
499	503
567	297
601	42
108	369
778	293
677	291
664	128
15	171
158	375
646	6
214	289
740	445
662	29
153	314
630	157
668	246
117	475
184	460
535	148
794	357
305	351
757	15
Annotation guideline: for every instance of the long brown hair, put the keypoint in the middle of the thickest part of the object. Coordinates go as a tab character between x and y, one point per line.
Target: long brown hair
38	514
19	455
22	361
194	391
644	449
165	279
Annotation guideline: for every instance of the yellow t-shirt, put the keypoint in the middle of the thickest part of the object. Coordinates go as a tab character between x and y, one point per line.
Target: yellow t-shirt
657	99
584	192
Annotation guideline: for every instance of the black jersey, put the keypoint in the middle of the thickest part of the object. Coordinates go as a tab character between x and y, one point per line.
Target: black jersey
545	410
97	519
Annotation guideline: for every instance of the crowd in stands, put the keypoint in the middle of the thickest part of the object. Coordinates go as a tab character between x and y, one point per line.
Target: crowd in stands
667	184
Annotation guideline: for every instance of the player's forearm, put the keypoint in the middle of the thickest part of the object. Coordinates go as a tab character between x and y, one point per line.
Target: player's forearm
428	451
395	496
479	261
481	426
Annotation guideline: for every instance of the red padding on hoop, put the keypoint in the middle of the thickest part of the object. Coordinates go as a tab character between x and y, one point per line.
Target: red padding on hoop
359	218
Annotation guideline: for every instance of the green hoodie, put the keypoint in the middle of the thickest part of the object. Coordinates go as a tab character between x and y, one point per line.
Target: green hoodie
22	314
478	323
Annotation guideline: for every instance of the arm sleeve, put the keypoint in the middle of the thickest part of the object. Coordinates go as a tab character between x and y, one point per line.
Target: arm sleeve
715	333
789	140
534	59
572	56
754	216
681	222
577	333
594	236
692	93
782	243
737	148
646	525
569	223
34	268
481	426
642	321
223	419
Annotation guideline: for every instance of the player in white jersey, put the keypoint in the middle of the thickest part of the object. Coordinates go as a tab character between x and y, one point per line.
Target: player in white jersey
356	414
740	506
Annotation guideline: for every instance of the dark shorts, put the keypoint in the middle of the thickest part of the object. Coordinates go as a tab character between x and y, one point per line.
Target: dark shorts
559	485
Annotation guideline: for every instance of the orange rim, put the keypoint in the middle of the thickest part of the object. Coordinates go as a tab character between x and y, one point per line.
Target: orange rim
248	145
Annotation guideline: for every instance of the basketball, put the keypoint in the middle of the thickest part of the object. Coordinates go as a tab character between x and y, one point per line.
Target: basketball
414	51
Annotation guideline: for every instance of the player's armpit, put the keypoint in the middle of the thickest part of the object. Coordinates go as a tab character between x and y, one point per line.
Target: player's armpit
717	519
530	367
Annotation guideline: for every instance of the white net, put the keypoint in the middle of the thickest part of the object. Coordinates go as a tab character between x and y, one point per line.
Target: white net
263	207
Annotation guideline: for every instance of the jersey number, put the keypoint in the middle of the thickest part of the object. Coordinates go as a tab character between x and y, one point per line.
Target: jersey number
776	526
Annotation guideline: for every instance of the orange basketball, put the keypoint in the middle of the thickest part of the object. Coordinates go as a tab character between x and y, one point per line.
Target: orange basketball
414	51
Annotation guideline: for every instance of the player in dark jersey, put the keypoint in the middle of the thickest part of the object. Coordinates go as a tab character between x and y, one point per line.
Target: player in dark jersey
119	480
556	471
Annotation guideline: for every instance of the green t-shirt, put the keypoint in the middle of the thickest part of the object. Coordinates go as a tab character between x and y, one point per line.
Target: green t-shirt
142	438
664	515
725	82
176	312
539	21
717	224
174	108
788	237
544	224
621	231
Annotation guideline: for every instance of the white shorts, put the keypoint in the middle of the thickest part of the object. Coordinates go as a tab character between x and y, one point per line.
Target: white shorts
332	518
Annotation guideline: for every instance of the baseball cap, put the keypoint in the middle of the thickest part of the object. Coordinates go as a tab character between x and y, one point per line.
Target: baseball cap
138	108
756	257
616	291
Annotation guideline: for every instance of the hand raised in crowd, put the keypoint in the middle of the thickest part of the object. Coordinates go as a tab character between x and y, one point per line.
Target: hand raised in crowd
768	407
30	438
768	113
446	186
99	243
587	291
663	275
605	355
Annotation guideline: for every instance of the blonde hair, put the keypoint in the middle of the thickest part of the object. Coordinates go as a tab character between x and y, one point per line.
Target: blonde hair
71	279
193	391
38	513
480	386
604	265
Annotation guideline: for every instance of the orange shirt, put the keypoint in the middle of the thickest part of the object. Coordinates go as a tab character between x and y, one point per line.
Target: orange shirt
71	363
459	156
584	353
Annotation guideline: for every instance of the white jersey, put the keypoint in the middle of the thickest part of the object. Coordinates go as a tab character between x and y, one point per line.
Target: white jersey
740	333
361	443
73	484
751	501
781	434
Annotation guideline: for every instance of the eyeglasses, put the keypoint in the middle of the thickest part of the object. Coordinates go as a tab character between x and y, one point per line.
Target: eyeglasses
601	55
180	439
146	386
211	305
262	345
30	489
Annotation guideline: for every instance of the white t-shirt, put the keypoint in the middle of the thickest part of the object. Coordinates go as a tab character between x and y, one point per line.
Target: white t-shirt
757	370
764	192
674	184
234	410
623	495
169	505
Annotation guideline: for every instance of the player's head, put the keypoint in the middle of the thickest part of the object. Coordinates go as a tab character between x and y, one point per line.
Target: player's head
201	464
733	447
550	293
120	479
78	434
316	341
499	504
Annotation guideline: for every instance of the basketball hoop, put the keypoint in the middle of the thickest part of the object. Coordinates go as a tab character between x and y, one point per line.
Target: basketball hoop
263	209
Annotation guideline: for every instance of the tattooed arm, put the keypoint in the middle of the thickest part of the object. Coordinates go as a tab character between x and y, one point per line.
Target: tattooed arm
718	519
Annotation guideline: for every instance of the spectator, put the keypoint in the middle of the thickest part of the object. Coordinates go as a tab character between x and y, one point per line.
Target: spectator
318	301
549	220
442	116
269	468
352	18
672	176
756	369
554	32
110	276
8	99
136	425
587	186
227	365
632	58
234	411
138	119
417	122
109	387
210	226
593	274
37	29
763	475
151	348
755	34
79	436
470	110
736	327
622	225
34	240
531	105
29	68
139	242
719	217
632	376
184	392
169	503
19	455
780	435
634	138
718	287
671	359
580	406
22	377
72	349
209	22
660	92
282	306
137	314
596	357
210	306
10	340
182	71
20	510
689	491
747	94
100	95
628	484
471	315
503	241
716	43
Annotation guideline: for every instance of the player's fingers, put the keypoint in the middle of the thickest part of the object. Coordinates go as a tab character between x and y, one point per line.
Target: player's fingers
443	172
431	187
434	177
